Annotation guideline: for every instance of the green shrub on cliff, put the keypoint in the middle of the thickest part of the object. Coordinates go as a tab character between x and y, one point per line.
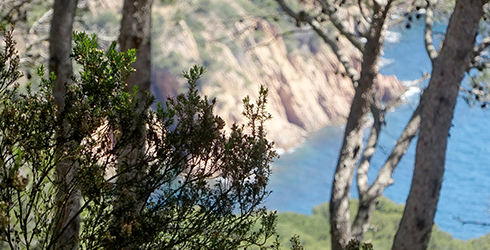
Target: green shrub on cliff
314	229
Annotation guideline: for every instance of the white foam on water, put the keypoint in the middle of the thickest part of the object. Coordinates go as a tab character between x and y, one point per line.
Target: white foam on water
280	151
415	90
383	62
392	36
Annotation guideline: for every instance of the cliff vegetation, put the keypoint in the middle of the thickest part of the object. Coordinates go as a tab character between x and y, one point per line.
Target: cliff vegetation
243	44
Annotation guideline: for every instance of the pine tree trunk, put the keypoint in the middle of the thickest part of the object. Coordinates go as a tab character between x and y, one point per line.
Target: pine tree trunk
135	33
439	100
340	224
60	46
67	225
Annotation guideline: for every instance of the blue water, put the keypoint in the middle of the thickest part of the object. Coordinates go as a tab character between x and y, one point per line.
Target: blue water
302	179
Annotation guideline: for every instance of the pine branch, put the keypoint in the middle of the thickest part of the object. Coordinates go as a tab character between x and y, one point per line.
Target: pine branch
303	17
332	14
276	37
414	83
471	222
482	46
429	24
363	169
384	178
477	52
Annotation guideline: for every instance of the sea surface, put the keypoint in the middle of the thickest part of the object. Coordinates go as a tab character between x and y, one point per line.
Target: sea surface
302	179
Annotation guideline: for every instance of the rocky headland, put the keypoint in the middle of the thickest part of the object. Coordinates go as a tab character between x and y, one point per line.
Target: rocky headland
307	87
243	44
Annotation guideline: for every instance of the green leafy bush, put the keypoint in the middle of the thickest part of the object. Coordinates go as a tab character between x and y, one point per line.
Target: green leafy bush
202	188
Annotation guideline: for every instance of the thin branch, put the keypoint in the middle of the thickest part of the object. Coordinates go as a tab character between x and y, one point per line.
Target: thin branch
429	24
477	51
56	237
479	95
276	37
332	14
241	32
414	83
471	222
363	169
363	14
386	8
482	46
16	8
384	178
477	64
328	38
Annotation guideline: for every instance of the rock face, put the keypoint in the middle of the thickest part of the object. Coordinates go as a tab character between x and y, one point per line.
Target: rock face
307	88
243	44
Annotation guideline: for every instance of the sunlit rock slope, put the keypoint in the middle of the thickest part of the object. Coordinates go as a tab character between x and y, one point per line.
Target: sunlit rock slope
245	44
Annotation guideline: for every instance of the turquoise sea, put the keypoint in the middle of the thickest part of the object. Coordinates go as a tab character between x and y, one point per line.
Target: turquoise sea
302	179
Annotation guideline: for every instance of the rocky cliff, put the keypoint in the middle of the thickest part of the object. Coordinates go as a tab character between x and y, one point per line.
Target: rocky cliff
243	50
243	44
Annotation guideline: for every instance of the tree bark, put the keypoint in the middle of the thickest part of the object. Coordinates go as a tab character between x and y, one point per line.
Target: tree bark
368	195
352	145
439	101
366	203
341	229
67	226
135	33
60	46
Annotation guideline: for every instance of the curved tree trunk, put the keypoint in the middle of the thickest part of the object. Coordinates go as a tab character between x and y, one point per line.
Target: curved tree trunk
340	224
67	225
135	34
368	195
60	46
439	100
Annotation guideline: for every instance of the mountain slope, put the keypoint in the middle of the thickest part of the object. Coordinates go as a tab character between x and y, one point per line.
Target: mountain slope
242	46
